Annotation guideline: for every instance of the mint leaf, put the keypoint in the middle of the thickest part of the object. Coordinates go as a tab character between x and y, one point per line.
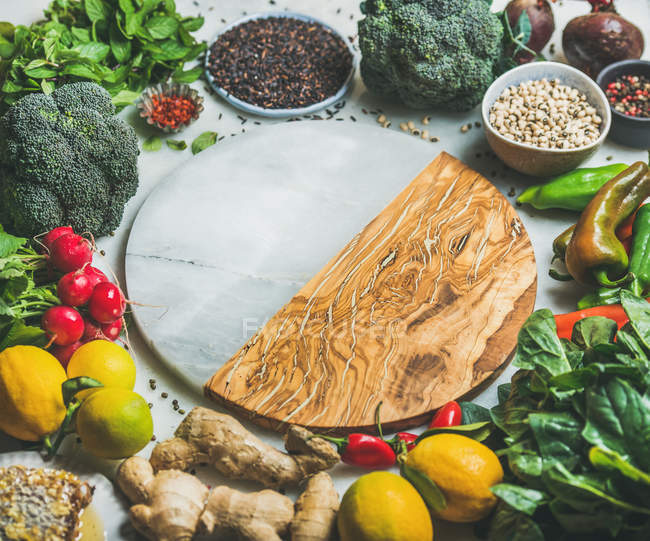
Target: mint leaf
152	144
176	144
203	141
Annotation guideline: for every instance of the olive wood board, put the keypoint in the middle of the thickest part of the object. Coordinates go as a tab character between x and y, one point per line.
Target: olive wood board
420	307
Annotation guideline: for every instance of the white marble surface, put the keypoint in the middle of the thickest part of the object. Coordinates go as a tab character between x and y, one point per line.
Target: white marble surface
154	167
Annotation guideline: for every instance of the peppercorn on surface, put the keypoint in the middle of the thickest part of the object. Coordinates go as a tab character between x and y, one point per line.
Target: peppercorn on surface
41	504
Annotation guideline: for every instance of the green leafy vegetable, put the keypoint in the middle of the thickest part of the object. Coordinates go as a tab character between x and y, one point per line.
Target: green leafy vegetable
176	145
575	430
152	144
124	45
203	141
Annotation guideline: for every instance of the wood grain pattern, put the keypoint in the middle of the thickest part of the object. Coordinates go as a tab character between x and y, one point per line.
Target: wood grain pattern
421	307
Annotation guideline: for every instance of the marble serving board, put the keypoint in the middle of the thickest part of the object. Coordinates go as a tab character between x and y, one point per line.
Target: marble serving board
228	239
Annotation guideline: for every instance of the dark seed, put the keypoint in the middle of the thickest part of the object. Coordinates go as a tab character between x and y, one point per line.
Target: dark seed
164	395
182	412
512	192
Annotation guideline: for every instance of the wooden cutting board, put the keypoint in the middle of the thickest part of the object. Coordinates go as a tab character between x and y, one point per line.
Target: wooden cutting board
421	307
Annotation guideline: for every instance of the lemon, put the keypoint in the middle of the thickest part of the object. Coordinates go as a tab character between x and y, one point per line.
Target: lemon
464	470
106	362
382	506
31	403
114	423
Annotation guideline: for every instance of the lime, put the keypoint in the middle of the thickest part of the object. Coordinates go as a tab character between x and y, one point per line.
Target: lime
464	470
383	506
31	403
114	423
106	362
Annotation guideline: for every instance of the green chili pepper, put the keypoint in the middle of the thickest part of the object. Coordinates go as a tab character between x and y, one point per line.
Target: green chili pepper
573	190
640	253
600	297
594	254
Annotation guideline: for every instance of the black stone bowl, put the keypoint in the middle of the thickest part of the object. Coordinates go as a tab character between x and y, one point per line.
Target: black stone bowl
630	131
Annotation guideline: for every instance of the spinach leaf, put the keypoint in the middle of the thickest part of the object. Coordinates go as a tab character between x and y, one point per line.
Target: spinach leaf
558	438
503	392
473	413
509	524
638	310
203	141
522	499
539	347
602	459
618	419
576	522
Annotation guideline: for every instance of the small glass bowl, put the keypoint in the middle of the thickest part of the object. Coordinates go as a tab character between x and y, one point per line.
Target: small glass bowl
145	104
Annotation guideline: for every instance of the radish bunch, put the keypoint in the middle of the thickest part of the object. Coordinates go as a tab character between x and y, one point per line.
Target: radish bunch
92	307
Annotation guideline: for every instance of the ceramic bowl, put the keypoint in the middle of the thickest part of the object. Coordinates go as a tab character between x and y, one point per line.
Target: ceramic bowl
544	162
627	130
280	113
145	104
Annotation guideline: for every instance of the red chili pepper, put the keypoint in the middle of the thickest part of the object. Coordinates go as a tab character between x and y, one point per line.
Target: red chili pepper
448	415
402	441
363	450
624	231
565	322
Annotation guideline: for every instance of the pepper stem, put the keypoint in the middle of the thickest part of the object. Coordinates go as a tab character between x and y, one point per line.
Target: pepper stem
341	443
603	279
559	276
381	434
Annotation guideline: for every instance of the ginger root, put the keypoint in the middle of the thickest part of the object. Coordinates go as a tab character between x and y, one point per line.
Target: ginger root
258	516
315	510
168	504
206	436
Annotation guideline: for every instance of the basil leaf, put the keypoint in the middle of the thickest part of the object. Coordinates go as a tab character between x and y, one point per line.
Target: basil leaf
176	145
48	87
193	23
95	10
161	26
93	50
539	347
188	76
120	46
203	141
522	499
132	23
39	69
125	97
152	144
81	70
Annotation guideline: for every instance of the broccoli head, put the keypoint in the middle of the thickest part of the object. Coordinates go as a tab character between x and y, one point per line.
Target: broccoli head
65	159
439	54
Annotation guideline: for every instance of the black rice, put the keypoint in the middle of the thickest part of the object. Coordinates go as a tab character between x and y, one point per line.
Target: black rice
280	62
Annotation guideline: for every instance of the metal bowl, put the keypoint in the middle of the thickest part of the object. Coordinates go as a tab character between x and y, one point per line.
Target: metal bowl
280	113
145	104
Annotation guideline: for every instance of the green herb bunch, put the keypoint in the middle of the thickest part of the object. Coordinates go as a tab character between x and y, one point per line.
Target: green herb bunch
575	430
124	45
26	292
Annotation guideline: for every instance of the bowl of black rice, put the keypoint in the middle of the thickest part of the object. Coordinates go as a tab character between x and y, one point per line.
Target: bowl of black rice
280	64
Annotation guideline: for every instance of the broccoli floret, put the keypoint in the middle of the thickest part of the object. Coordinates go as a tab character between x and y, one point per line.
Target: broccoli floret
65	159
440	54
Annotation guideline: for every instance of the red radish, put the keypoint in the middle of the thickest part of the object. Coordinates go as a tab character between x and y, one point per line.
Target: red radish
63	324
106	303
96	276
92	331
70	252
54	234
63	353
112	330
75	288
